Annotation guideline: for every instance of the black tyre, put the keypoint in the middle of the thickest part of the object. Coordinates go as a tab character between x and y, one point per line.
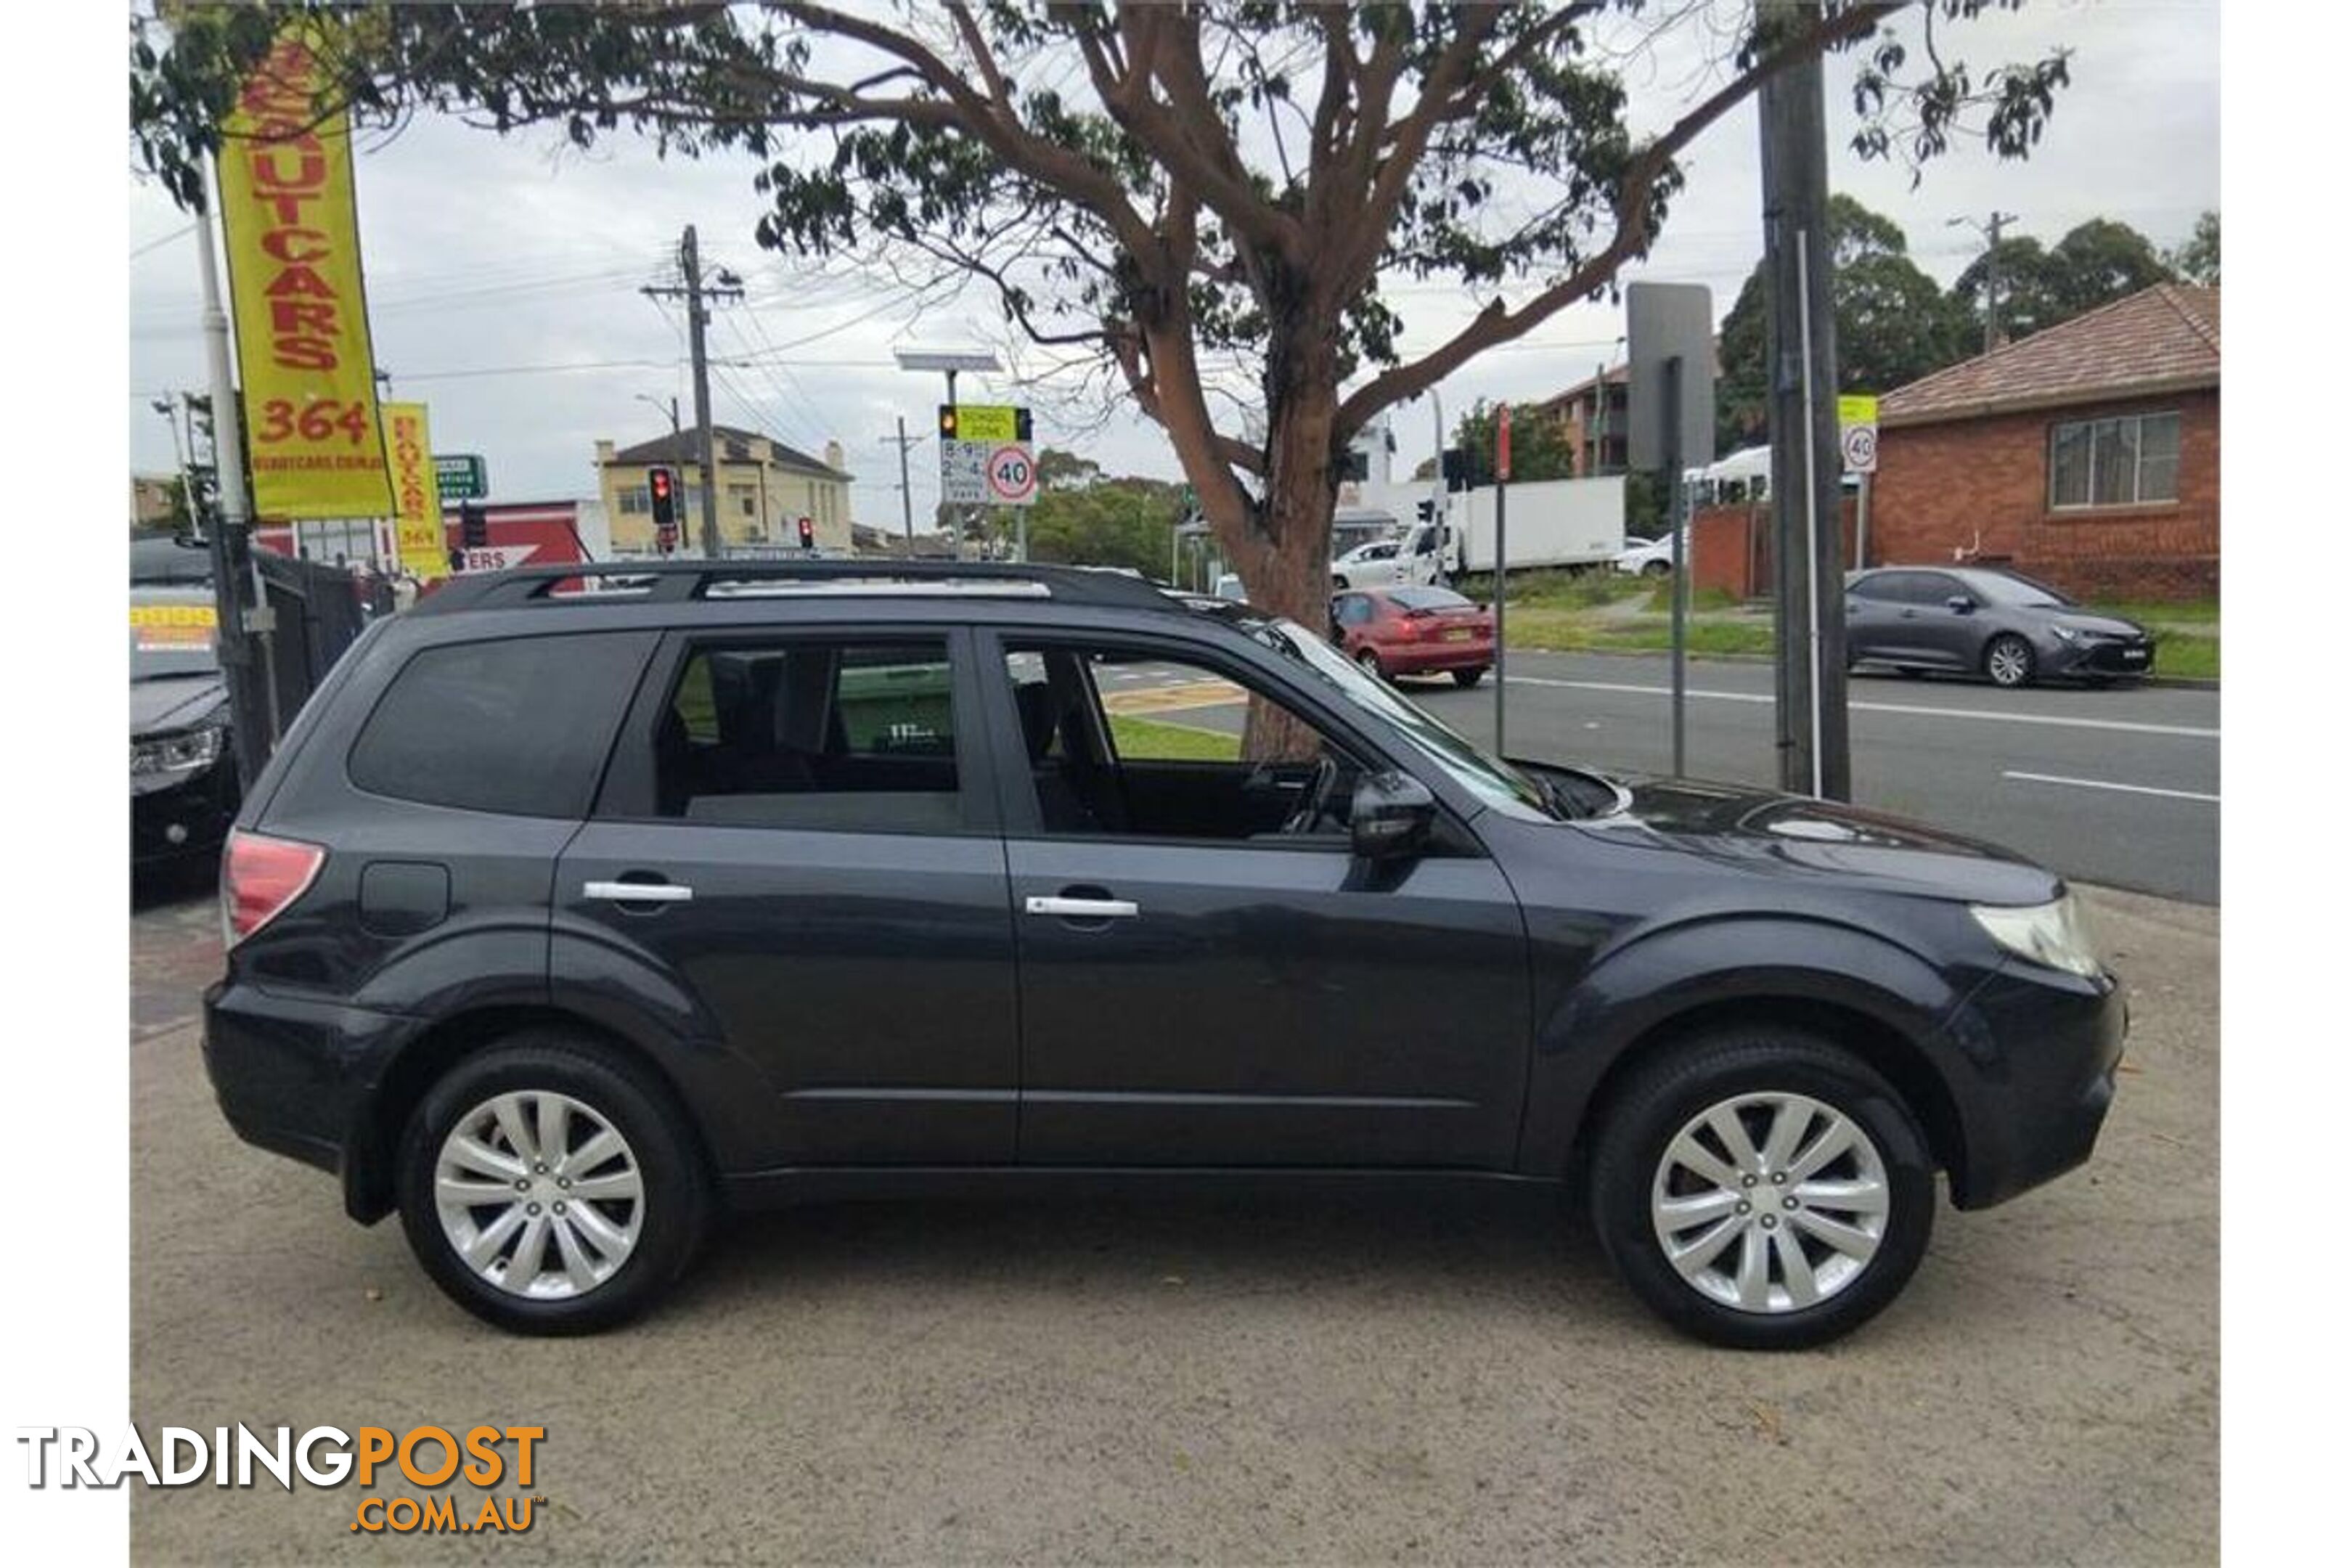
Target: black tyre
1469	677
551	1185
1762	1189
1657	569
2009	660
1370	663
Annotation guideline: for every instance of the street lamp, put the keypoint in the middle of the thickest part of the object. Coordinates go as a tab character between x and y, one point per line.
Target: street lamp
669	406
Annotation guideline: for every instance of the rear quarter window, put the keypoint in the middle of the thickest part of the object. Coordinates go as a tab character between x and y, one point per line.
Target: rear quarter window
519	726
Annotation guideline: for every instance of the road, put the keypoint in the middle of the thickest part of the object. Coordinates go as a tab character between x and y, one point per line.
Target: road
1246	1379
2120	786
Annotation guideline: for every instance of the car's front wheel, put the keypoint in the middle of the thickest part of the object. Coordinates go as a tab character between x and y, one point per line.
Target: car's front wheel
550	1185
1762	1189
2008	659
1657	568
1370	663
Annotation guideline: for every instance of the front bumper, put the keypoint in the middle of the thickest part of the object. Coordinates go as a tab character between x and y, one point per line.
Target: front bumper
2109	659
188	816
298	1077
2044	1046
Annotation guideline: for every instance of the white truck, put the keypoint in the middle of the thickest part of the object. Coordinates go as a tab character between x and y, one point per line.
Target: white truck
1549	523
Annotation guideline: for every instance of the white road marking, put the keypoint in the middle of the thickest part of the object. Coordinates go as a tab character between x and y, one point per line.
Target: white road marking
1919	709
2102	783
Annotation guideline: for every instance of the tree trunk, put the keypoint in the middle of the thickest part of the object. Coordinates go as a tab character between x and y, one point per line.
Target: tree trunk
1285	561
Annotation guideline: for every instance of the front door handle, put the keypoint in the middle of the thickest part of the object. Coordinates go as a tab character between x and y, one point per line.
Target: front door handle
638	892
1084	908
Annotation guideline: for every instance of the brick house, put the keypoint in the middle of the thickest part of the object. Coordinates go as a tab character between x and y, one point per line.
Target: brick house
2088	455
1592	419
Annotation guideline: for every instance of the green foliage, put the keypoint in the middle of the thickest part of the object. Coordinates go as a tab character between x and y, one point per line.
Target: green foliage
1108	523
1540	444
1894	325
2199	260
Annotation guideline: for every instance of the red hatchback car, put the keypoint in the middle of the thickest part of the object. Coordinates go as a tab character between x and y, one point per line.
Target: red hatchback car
1412	630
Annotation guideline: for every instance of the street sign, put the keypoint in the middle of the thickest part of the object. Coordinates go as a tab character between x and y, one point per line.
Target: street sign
1503	443
994	423
463	475
963	472
1858	433
1669	321
1012	475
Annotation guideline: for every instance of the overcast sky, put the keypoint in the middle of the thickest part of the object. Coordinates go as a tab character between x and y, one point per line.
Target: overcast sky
503	274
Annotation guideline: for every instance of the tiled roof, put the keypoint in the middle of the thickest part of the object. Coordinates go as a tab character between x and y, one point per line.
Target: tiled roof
2159	340
685	447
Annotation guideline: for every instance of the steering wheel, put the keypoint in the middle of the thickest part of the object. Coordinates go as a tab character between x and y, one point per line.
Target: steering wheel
1316	799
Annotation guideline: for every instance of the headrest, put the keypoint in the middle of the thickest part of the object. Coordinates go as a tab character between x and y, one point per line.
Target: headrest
804	700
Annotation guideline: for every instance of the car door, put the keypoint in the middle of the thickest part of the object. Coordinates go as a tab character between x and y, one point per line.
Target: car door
797	835
1871	612
1199	988
1948	637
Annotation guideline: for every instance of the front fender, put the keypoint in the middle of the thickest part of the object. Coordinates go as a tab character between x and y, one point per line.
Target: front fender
1633	989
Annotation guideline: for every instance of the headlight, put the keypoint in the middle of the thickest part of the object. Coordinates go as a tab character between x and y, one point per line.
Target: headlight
2053	933
2065	632
182	753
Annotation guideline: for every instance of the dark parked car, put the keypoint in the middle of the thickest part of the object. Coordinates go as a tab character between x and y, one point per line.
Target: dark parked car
1414	630
1978	620
183	790
562	920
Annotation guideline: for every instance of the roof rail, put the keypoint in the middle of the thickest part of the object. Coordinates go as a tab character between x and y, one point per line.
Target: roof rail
671	581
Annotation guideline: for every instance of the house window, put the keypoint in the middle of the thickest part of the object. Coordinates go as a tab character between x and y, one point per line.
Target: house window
747	499
2128	461
635	501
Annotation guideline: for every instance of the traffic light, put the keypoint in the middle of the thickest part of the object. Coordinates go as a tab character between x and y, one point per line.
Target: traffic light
947	421
473	526
808	534
661	484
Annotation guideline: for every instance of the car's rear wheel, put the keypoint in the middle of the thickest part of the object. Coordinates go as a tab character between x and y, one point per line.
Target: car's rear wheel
1657	568
549	1185
1469	677
1762	1189
2008	659
1370	663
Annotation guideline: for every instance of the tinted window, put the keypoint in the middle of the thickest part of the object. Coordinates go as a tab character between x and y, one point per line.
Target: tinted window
519	726
807	733
1355	610
1884	586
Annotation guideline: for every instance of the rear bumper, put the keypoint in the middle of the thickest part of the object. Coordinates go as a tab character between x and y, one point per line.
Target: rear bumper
2045	1045
1418	658
298	1077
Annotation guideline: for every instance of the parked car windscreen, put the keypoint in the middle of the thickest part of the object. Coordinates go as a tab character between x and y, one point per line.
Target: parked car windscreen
173	635
1493	781
2022	592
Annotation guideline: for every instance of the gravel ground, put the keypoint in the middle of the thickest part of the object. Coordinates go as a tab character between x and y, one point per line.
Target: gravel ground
1220	1380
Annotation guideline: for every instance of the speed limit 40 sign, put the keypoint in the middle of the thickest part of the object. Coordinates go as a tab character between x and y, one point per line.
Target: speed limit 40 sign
1858	433
1012	475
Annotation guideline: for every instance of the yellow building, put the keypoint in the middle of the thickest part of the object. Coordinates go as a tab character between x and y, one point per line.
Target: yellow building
765	487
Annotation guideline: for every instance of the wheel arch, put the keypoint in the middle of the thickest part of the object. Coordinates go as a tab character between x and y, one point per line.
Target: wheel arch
1870	1039
371	1151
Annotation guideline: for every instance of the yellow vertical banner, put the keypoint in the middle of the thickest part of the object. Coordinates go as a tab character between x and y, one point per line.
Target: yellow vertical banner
416	492
289	221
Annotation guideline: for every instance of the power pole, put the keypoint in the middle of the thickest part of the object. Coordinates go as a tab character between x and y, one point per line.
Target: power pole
1991	229
906	494
689	261
1800	349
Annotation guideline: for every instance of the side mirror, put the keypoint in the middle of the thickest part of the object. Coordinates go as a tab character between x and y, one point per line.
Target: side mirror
1961	603
1391	815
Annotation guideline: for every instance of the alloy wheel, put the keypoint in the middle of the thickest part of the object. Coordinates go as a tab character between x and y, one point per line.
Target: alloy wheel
1770	1203
539	1194
2009	661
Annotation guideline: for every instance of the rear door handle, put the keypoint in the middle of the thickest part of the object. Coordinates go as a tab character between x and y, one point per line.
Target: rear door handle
638	892
1084	908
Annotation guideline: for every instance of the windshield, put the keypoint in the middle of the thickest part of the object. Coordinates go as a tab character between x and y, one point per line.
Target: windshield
2005	588
172	637
1496	783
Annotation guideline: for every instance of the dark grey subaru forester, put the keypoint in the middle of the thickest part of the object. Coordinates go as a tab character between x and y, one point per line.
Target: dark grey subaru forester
571	910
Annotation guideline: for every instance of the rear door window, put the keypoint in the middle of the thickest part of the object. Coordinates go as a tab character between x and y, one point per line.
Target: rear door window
519	726
811	732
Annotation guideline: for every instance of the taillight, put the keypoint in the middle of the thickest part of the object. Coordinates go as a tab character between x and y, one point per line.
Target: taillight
259	876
